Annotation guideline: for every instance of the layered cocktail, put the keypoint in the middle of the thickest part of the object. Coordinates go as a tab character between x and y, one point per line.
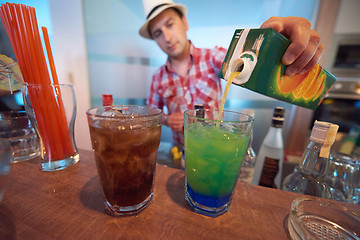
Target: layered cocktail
214	151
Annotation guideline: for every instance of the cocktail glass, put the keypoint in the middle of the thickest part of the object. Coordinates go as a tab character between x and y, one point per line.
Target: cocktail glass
214	151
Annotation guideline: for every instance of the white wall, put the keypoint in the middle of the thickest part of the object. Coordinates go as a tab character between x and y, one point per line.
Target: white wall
349	17
71	59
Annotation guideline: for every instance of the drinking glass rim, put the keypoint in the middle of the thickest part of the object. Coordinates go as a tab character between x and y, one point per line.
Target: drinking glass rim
251	119
8	114
343	157
122	105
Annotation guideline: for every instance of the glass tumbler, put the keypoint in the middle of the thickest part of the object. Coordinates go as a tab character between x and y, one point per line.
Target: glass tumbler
214	151
16	127
125	141
52	110
343	175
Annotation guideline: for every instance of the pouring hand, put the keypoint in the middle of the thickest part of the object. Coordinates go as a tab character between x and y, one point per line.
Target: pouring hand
305	50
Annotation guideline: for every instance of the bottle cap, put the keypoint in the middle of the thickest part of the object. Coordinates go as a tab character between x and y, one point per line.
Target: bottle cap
279	112
200	113
198	106
325	133
107	99
278	117
243	67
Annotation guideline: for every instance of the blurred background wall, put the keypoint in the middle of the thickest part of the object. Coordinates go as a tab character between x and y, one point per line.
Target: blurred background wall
97	48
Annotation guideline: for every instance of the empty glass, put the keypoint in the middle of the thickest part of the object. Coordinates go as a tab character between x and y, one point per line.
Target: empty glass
318	218
16	127
343	175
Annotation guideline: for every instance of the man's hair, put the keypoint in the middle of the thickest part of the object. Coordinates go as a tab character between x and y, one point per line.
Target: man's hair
178	13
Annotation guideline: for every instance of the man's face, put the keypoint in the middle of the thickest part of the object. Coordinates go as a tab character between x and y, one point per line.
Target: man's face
169	32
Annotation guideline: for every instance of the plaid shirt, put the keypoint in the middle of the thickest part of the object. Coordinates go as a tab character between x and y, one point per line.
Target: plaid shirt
200	86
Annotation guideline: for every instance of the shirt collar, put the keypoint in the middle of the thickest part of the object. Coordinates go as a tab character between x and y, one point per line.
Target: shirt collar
193	50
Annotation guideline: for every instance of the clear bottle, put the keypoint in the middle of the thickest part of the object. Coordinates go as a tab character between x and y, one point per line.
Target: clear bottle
268	167
308	178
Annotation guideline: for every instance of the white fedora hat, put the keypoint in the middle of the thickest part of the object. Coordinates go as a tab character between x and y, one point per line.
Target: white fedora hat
152	8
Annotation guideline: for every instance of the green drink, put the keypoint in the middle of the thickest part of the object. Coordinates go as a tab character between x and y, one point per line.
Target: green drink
213	157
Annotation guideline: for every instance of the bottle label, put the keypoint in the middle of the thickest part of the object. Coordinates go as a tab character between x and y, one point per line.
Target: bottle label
269	171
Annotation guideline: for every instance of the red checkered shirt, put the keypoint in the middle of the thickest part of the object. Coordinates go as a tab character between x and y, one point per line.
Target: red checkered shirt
200	86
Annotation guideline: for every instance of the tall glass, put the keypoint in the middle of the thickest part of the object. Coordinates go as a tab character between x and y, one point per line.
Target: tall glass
52	110
214	151
125	140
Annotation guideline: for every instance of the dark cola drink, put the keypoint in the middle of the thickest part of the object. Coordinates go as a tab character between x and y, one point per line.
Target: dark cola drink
125	147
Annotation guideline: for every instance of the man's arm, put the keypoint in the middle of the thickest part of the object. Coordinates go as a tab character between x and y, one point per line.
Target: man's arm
305	50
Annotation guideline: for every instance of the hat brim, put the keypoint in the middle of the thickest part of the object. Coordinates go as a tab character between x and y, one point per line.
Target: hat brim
144	30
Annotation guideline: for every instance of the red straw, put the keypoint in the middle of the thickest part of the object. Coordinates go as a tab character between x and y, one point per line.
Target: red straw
55	79
59	112
50	55
21	25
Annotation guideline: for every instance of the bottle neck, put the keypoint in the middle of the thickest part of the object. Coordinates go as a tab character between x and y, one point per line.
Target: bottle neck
277	123
311	163
274	138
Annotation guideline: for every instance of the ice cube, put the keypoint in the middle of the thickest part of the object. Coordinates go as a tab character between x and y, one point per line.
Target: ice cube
100	111
224	127
145	136
110	111
113	113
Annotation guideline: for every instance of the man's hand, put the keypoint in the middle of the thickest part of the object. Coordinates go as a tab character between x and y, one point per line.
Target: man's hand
305	50
176	122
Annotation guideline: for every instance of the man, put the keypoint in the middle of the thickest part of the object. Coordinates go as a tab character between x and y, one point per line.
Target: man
189	75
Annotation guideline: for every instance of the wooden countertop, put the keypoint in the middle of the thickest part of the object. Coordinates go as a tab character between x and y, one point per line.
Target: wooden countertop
68	204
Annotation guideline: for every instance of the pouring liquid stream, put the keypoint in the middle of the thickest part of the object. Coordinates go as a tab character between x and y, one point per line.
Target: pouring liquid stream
226	90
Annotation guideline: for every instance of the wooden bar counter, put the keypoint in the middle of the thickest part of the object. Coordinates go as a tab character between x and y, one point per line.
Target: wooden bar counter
68	204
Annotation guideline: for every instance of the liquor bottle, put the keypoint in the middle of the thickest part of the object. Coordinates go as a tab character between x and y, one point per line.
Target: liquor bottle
308	178
107	100
268	166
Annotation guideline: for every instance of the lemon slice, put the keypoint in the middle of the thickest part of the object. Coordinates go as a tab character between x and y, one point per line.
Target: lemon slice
11	78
